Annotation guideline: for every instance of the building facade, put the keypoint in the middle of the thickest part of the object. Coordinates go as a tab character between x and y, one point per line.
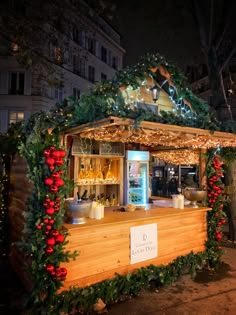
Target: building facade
86	51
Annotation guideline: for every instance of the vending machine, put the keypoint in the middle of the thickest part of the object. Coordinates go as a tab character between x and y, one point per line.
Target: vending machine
137	177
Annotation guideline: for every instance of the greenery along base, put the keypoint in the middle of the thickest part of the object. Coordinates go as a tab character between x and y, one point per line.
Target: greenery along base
82	300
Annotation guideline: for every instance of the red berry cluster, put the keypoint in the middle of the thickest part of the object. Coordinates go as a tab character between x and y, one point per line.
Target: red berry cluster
215	186
57	272
53	157
215	198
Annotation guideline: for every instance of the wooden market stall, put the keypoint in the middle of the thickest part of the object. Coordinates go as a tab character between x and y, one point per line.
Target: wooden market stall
105	246
121	241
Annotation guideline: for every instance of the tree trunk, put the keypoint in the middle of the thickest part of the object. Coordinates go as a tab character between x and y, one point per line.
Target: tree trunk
232	206
217	102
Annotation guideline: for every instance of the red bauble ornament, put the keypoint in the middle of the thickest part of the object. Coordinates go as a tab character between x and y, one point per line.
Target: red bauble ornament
55	175
46	153
48	181
49	268
63	272
50	211
57	208
51	221
48	227
59	162
45	221
56	154
49	161
39	227
53	189
58	271
50	241
59	238
62	153
59	182
49	250
54	233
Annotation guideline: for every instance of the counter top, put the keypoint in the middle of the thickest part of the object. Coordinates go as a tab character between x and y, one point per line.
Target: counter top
112	216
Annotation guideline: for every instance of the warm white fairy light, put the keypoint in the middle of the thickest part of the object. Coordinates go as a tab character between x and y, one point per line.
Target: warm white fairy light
178	157
159	137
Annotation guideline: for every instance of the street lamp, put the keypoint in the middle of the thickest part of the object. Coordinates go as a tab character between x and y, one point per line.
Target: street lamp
155	93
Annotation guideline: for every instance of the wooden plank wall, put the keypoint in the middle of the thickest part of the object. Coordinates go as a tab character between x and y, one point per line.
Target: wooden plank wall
20	190
104	249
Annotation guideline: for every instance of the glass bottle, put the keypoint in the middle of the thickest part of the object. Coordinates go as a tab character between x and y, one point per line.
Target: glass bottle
109	175
113	201
90	174
81	172
99	174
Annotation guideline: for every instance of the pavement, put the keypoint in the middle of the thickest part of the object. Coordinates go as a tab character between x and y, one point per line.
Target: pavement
210	293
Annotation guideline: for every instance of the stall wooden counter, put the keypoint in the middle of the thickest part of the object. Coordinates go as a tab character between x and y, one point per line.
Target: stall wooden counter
104	245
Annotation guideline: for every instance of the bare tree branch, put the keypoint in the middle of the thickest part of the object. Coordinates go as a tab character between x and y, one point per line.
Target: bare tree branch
227	58
201	25
211	23
225	97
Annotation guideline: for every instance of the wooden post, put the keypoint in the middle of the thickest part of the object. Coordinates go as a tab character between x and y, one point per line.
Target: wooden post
202	168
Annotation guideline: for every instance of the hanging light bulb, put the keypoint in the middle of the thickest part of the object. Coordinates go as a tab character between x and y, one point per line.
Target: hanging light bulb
155	93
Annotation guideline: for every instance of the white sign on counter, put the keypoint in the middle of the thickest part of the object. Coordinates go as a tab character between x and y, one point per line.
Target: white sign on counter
143	242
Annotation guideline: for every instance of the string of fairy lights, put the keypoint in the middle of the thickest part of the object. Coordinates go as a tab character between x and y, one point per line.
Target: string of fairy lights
178	157
160	137
4	242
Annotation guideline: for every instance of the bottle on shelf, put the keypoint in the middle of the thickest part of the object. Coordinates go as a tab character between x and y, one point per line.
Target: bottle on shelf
102	199
78	196
99	174
113	200
107	202
84	195
90	174
81	172
109	175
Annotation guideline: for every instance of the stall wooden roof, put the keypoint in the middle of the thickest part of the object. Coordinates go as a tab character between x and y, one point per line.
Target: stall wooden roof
153	134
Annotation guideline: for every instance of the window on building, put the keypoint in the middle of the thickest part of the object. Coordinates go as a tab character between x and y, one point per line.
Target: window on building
16	83
75	64
109	58
82	67
103	76
82	40
75	35
91	45
91	74
103	54
58	55
114	63
153	108
76	93
59	94
15	116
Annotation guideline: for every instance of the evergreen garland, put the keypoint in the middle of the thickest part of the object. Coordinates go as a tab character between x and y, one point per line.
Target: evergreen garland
217	201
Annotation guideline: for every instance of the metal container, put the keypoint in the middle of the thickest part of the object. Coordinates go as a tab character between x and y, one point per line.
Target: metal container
76	212
194	195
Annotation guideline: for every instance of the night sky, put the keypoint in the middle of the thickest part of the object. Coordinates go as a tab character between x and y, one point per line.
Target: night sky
165	27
